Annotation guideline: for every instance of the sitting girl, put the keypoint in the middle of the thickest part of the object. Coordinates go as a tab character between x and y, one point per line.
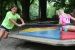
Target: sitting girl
64	20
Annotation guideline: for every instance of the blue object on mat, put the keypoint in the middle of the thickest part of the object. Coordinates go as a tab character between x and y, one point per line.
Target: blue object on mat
51	34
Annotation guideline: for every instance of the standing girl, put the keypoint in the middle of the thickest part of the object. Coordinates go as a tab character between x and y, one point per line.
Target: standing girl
9	22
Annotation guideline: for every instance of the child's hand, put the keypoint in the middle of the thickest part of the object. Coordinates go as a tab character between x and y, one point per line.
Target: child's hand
62	24
23	24
19	25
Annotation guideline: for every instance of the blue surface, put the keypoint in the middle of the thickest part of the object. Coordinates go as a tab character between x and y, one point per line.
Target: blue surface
51	34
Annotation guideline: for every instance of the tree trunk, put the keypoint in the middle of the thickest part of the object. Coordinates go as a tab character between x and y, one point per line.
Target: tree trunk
25	10
42	8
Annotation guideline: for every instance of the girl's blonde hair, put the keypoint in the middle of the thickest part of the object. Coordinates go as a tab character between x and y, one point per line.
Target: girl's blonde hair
58	12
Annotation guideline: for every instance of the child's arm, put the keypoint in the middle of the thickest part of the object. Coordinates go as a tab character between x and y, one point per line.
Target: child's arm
73	18
23	23
15	23
60	19
61	22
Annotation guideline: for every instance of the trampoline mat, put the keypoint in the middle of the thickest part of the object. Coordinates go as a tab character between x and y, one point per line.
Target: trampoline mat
36	29
45	32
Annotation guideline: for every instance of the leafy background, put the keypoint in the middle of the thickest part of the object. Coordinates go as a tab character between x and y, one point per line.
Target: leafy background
52	6
34	10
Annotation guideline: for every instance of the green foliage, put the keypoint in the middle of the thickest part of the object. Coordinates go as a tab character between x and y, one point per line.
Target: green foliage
34	10
6	4
52	6
50	9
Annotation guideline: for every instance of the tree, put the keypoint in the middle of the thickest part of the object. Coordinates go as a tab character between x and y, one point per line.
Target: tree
25	9
42	8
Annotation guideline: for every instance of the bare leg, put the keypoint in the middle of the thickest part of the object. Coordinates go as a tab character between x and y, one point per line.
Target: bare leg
5	35
2	31
71	28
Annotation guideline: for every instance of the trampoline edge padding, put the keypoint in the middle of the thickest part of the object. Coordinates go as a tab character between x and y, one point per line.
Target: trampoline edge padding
44	40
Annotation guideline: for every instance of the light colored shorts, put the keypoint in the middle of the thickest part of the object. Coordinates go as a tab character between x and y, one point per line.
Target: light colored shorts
66	27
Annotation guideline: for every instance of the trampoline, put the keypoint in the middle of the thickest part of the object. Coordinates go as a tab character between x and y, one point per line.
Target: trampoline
51	35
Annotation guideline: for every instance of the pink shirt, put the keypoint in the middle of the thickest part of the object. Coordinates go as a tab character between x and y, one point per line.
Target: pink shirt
64	19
